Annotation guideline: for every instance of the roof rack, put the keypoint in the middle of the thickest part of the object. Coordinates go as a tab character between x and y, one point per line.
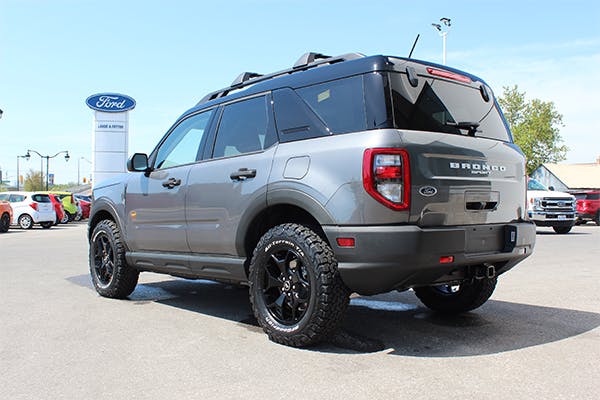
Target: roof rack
306	61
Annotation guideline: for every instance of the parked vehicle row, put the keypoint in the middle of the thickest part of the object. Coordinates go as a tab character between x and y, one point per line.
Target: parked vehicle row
26	209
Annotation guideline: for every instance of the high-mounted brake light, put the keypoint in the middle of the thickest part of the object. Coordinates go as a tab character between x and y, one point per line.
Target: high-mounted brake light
448	75
386	177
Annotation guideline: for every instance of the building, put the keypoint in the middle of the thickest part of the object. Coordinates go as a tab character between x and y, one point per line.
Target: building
569	177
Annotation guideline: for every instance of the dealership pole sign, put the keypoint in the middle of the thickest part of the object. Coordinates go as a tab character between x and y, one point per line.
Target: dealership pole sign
110	141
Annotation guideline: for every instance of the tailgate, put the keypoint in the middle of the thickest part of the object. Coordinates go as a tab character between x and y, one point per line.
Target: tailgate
462	180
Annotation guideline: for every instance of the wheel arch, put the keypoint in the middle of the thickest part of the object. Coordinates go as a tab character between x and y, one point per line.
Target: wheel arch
277	214
102	210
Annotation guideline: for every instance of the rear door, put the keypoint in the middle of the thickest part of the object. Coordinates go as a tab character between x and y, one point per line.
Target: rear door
233	177
155	203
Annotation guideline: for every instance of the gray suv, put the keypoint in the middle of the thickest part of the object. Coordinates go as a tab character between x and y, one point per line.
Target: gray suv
338	175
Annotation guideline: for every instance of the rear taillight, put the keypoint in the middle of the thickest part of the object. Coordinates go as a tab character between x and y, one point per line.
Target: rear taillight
386	177
34	206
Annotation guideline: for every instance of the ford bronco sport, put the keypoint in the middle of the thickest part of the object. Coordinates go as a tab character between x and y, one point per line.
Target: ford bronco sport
338	175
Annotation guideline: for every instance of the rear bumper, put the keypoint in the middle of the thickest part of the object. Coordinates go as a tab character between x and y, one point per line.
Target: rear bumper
400	257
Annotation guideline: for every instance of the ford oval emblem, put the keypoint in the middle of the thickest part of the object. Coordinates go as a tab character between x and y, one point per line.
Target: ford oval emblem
428	191
110	102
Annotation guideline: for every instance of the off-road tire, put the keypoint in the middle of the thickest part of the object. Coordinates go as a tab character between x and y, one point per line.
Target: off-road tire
311	305
4	223
111	276
470	295
47	225
562	230
25	221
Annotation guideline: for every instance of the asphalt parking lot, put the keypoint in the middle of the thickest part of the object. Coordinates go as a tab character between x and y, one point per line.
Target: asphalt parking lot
537	337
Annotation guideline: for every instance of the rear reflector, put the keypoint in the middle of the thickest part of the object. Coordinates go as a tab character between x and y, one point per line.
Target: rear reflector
449	75
446	259
345	242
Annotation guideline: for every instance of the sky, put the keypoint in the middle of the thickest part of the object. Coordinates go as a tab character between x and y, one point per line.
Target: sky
168	55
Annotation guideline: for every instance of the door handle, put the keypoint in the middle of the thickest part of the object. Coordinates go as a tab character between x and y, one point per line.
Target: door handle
171	183
242	174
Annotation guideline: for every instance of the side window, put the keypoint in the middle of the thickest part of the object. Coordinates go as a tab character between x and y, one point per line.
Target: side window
16	198
243	128
4	197
183	143
295	119
340	104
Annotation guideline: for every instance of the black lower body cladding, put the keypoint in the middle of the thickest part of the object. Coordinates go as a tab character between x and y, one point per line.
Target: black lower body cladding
399	257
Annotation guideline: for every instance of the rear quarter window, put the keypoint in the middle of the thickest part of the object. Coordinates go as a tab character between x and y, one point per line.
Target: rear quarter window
339	104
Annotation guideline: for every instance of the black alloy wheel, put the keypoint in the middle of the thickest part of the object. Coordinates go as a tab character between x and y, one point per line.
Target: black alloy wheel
285	286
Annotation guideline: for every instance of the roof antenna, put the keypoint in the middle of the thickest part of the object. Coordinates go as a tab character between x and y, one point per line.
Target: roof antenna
414	44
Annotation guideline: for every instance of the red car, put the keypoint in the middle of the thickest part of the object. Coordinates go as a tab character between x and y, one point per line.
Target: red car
588	206
59	209
85	208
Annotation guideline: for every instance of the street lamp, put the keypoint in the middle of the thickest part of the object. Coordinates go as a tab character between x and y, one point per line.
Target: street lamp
78	160
18	175
443	32
27	156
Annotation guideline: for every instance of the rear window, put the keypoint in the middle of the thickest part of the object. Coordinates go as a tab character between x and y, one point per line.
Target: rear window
41	198
438	105
592	196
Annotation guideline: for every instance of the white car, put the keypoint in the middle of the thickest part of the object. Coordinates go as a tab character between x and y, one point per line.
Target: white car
30	208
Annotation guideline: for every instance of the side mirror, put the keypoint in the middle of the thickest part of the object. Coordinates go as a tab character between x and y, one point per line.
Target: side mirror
138	163
551	188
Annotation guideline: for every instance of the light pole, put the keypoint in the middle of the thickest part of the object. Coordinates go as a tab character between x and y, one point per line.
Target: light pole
18	175
78	161
443	33
27	156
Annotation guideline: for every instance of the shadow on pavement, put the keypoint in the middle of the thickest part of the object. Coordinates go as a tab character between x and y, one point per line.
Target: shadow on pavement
393	321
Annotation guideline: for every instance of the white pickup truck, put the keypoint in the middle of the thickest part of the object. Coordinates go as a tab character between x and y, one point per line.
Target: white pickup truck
546	207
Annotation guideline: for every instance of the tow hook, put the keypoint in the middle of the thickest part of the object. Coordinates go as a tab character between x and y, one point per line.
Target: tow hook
485	271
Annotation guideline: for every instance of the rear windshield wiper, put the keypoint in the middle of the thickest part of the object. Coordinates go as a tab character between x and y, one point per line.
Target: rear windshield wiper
470	126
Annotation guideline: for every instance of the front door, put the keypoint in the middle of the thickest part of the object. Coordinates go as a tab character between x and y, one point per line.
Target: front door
155	203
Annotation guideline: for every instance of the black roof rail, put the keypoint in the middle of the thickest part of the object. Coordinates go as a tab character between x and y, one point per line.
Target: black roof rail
243	77
308	58
306	61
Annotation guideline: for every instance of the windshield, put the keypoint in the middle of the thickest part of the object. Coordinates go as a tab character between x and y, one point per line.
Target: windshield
532	184
439	105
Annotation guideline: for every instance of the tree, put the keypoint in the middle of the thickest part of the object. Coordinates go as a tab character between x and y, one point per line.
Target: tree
33	181
535	126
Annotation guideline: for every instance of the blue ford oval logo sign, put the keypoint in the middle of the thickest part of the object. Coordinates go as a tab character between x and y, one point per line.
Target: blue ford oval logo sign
110	102
428	191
